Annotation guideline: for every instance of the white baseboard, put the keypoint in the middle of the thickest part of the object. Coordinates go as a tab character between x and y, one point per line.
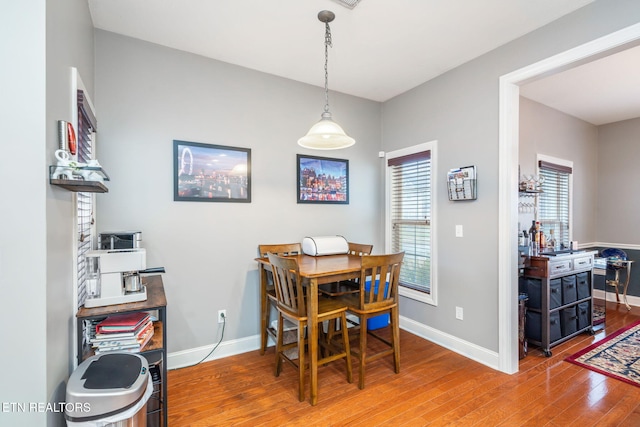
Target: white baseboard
611	297
609	245
464	348
184	358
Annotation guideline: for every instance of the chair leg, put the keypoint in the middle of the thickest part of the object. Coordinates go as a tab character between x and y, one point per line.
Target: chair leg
264	323
331	329
279	343
395	340
301	368
347	348
363	350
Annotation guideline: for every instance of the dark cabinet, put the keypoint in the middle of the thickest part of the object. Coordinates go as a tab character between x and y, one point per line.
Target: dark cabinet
560	304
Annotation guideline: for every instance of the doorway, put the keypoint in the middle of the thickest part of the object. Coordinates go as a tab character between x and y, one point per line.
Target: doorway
509	96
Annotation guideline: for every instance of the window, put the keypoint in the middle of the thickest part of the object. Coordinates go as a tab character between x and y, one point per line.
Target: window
84	201
410	218
554	211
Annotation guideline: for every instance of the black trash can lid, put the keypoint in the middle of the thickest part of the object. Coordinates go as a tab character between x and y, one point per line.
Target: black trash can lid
106	384
112	371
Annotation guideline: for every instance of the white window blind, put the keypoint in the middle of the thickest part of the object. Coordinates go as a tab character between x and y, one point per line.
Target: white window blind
84	201
554	208
410	216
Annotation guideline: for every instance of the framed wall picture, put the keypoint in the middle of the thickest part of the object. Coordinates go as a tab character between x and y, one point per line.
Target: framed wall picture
211	173
322	180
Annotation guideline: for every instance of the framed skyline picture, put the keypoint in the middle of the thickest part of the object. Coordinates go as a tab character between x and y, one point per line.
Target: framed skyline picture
211	173
322	180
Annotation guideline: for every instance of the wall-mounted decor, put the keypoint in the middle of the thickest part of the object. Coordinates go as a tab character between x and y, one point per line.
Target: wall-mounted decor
323	180
461	183
211	173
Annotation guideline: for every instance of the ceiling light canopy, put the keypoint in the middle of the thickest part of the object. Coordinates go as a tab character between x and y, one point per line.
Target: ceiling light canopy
326	134
348	3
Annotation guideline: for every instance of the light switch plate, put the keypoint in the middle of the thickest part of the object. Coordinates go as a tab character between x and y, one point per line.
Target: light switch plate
458	230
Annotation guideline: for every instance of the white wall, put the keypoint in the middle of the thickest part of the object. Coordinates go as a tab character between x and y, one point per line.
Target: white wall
147	96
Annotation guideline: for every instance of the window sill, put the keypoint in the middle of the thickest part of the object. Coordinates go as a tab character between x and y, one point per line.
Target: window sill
416	295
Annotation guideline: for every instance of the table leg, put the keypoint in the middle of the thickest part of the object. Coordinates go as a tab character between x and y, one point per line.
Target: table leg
626	285
312	313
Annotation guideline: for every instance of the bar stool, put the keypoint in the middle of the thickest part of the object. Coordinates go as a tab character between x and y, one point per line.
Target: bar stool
292	305
268	292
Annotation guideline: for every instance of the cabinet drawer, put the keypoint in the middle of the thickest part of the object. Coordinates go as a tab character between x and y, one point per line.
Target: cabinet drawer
560	267
569	291
581	263
583	285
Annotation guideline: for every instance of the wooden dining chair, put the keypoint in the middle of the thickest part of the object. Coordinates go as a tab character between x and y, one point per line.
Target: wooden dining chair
360	249
268	297
291	305
346	286
378	295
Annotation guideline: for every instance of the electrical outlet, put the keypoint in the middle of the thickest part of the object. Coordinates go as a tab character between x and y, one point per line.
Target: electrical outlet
459	313
222	316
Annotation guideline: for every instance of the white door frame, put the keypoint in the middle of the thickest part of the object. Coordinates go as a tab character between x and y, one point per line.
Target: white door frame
508	175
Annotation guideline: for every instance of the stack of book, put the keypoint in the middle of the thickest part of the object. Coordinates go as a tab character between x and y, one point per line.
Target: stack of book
123	332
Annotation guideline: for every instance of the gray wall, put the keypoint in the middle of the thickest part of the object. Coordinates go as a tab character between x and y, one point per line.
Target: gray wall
619	174
23	260
36	221
147	96
605	174
544	130
460	110
69	44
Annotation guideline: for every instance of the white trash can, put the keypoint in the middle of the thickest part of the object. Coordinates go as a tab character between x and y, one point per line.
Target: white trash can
109	390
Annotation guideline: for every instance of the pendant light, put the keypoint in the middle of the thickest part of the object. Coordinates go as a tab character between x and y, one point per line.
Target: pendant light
326	134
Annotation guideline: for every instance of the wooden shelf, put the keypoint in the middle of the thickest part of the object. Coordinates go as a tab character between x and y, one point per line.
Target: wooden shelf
156	301
80	185
155	343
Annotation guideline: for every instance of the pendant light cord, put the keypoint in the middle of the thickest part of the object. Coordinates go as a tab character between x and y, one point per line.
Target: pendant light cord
327	43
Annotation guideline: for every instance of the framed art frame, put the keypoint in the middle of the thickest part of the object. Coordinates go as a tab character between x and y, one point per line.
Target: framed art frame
211	173
322	180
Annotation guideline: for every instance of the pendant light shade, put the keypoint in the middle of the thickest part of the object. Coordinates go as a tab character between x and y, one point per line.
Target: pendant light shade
326	134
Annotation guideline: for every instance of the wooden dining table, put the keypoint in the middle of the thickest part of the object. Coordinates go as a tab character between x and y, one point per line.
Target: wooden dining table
314	270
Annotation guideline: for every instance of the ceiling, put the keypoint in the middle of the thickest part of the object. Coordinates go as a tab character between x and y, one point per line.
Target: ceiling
380	48
603	91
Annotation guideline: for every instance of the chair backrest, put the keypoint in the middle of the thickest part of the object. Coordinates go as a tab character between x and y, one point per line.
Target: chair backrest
288	284
360	249
282	249
379	278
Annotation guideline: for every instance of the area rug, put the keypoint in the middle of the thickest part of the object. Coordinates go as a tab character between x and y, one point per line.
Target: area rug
598	314
617	355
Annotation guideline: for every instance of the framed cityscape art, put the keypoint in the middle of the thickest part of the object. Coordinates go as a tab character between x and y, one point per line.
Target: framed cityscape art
211	173
322	180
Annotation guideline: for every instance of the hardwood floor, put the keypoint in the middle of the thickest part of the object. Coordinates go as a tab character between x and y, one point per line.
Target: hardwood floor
435	387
